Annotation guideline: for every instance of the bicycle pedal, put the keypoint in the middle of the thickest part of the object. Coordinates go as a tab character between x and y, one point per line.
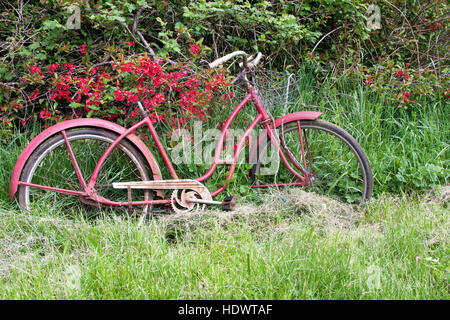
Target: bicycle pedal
228	203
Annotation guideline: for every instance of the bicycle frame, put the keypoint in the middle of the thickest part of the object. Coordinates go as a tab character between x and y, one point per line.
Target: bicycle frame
263	117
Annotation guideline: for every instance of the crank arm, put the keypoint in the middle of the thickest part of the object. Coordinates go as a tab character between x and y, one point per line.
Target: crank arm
227	204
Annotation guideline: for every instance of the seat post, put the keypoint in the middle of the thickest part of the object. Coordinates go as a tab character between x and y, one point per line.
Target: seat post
143	111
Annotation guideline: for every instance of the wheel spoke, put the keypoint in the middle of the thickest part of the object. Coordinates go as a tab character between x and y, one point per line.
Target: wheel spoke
66	160
74	161
334	161
301	143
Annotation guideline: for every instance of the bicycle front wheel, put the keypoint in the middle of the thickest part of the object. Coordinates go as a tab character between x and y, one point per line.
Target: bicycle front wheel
335	162
50	165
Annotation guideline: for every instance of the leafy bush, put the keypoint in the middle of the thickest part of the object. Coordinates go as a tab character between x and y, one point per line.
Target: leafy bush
333	34
404	60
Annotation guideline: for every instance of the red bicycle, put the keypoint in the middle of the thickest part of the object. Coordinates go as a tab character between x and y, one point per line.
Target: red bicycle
103	164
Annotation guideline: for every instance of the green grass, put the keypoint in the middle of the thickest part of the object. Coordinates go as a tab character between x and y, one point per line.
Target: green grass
395	248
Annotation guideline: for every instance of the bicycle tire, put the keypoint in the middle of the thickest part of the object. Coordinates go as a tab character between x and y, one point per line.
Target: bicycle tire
66	172
334	130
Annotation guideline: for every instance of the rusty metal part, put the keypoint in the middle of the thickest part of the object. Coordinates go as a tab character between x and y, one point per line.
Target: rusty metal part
130	207
185	201
229	203
90	202
187	196
181	184
161	184
195	200
266	122
181	201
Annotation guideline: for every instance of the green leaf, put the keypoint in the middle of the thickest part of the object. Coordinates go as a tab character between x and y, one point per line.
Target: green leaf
76	105
34	46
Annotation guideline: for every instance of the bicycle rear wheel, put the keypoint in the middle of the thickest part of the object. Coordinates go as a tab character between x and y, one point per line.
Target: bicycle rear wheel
334	160
50	165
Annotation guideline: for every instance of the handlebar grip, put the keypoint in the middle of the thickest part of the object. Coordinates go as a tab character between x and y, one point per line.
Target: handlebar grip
229	56
255	61
252	60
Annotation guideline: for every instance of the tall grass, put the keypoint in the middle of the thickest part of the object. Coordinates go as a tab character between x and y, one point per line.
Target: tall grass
9	153
408	149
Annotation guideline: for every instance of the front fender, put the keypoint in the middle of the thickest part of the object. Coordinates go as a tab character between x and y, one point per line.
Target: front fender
70	124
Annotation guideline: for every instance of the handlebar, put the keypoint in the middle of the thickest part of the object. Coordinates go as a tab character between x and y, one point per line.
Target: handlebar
248	63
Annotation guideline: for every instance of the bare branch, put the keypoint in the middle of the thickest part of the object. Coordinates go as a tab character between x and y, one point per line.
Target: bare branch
136	19
146	45
321	39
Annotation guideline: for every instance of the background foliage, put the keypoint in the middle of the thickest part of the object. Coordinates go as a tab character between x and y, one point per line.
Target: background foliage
388	88
397	74
408	55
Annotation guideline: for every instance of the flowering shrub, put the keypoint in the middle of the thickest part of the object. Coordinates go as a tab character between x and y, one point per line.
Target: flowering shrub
52	72
173	93
405	85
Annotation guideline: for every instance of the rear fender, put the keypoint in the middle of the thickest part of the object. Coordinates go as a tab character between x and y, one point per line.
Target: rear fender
296	116
70	124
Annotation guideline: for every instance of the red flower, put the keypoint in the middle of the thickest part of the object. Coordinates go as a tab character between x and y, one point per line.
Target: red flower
406	96
229	96
159	98
195	49
119	96
399	73
192	82
126	67
133	98
69	67
44	114
83	49
35	94
51	68
134	113
35	69
131	43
